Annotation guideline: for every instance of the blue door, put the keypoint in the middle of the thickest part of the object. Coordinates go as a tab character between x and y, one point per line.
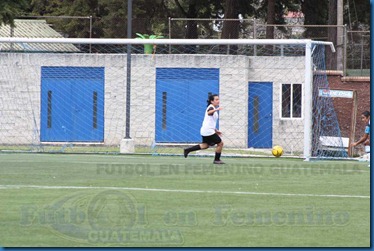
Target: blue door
260	121
181	95
72	104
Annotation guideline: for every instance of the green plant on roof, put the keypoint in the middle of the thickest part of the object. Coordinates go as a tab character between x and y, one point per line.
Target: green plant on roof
148	48
146	36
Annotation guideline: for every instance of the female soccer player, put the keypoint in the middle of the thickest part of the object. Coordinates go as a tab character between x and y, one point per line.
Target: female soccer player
211	136
365	139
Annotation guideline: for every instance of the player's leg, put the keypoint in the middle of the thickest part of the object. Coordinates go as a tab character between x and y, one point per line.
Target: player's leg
195	148
218	141
217	158
367	150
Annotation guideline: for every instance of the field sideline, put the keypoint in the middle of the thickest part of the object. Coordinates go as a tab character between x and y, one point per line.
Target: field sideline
75	200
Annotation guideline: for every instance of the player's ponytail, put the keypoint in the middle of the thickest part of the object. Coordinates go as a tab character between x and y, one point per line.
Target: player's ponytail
211	98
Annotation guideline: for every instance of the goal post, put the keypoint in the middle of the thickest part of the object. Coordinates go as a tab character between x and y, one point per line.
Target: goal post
308	104
77	97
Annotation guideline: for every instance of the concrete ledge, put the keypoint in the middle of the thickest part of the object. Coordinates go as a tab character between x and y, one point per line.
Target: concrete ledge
127	146
356	79
328	72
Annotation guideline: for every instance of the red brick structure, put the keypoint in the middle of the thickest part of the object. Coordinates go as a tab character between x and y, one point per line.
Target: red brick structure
344	106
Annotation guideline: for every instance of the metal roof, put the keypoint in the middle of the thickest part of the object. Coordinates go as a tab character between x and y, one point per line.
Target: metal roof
33	29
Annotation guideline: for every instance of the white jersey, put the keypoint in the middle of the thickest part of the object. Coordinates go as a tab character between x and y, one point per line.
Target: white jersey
209	123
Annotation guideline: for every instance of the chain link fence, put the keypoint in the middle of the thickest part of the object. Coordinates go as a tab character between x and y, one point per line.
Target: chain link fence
354	46
358	53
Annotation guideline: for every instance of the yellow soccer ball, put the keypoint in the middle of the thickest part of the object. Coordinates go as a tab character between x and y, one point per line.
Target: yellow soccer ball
277	151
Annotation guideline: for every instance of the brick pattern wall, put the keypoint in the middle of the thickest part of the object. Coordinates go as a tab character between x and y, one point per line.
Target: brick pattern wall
344	107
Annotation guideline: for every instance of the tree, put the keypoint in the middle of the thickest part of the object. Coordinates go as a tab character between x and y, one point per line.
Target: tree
270	19
356	14
191	12
331	35
69	27
151	17
112	16
10	9
109	16
273	12
315	13
234	8
231	28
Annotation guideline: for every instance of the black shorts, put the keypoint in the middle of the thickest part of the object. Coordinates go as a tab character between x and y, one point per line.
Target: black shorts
212	139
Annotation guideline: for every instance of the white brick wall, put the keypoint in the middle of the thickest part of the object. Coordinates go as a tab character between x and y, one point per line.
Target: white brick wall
288	133
21	80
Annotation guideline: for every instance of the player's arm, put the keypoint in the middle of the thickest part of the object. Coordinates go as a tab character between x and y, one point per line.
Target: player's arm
218	132
212	110
364	138
361	140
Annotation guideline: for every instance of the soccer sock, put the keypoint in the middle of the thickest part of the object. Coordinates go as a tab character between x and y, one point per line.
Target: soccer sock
218	156
193	148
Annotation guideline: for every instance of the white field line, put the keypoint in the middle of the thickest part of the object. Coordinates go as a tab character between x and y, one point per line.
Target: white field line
272	168
183	191
316	168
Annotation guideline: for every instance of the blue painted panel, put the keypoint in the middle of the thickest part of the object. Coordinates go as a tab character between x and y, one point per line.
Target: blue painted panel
170	111
85	128
58	72
188	73
184	93
60	128
72	107
260	119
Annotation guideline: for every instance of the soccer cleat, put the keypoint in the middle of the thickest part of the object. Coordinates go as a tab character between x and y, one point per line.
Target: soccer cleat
219	162
185	153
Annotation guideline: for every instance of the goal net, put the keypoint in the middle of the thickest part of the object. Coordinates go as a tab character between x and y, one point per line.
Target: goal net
149	96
